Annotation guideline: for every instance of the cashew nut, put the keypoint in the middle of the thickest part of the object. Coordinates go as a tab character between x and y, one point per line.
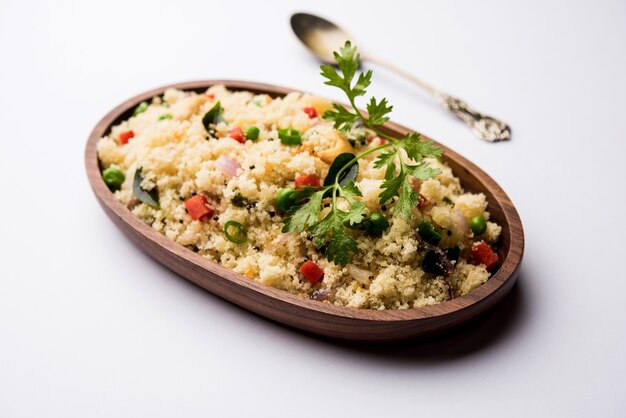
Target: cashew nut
187	106
340	146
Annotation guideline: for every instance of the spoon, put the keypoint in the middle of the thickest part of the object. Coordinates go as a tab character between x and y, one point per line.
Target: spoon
322	37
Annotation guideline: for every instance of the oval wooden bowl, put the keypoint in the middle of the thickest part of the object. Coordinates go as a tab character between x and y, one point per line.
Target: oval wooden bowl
312	316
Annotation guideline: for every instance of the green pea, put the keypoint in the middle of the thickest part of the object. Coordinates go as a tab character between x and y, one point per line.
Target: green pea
378	224
289	136
285	199
113	177
143	106
252	133
478	225
165	116
428	233
374	224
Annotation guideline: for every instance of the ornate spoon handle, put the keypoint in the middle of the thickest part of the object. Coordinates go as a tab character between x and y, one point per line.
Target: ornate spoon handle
485	127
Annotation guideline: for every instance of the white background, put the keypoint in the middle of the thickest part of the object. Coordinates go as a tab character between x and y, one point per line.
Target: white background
91	327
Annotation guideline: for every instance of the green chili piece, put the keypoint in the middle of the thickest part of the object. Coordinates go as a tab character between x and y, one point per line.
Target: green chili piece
143	106
289	136
428	233
238	235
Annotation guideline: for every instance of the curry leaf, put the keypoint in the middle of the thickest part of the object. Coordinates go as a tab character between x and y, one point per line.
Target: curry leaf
213	116
149	197
348	175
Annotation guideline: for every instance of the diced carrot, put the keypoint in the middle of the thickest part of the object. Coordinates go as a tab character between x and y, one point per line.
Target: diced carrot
198	208
483	254
312	272
211	96
310	111
237	135
309	180
125	137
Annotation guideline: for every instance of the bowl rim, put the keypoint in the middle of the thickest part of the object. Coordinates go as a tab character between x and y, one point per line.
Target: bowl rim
506	271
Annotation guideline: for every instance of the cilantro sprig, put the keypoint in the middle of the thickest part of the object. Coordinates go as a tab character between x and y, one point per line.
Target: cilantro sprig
404	160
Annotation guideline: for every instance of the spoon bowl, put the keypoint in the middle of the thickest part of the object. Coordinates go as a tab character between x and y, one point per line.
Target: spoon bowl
292	310
319	35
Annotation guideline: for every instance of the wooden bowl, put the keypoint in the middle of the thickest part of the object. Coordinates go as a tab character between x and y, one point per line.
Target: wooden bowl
309	315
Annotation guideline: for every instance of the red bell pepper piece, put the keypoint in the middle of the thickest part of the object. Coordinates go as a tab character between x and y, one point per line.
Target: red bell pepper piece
312	272
198	208
483	254
125	137
237	135
310	111
308	180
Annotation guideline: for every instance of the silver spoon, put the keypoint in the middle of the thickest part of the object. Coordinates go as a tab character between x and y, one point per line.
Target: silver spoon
323	37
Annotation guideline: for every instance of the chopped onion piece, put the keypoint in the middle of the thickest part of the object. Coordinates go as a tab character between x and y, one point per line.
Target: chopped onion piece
227	166
462	222
278	242
360	275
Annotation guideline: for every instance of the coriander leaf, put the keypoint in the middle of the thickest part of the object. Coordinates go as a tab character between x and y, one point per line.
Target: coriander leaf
378	111
321	229
341	247
342	118
362	84
402	183
356	213
385	158
348	61
390	188
390	172
422	171
334	79
417	149
408	199
429	149
303	216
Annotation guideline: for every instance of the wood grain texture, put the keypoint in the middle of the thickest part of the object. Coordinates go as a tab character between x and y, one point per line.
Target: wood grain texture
312	316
